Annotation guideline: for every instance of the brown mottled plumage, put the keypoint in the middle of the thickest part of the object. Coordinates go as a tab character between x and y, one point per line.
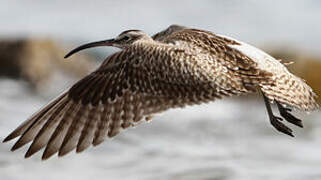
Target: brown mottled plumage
177	67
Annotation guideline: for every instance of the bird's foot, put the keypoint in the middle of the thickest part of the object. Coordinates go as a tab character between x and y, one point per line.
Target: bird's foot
276	122
285	113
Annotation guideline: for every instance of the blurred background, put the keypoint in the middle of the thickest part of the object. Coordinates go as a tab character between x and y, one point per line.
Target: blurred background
227	139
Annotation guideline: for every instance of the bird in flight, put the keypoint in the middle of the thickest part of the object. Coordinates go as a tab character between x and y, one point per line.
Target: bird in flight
176	67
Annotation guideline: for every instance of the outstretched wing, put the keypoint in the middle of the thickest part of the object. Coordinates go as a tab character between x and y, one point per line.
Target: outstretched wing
162	35
250	64
129	86
222	50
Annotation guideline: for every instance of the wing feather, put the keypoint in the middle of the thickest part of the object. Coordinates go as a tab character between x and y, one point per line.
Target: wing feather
220	48
103	124
57	137
129	86
88	132
33	130
48	129
26	124
73	134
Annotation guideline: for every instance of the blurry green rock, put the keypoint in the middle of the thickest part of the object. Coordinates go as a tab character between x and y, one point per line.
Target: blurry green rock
38	60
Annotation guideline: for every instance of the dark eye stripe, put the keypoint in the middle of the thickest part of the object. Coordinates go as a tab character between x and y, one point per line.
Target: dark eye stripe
125	38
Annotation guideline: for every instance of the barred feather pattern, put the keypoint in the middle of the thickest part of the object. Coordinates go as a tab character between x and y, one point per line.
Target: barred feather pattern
186	67
286	88
129	86
293	91
253	66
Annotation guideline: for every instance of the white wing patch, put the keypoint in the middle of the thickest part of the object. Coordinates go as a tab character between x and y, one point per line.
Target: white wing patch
264	60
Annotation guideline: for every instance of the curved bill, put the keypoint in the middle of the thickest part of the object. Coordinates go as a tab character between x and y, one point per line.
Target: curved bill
108	42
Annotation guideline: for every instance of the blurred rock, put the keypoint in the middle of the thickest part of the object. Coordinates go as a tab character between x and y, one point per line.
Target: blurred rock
37	61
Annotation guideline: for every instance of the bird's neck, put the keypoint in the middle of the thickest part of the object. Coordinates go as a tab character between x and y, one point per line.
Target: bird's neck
144	41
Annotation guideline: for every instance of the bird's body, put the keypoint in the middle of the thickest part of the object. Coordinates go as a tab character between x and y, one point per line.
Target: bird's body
180	66
248	64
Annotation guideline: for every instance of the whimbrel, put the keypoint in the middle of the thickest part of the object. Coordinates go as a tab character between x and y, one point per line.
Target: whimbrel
177	67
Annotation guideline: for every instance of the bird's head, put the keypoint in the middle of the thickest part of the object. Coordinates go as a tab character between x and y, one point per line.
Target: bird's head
122	41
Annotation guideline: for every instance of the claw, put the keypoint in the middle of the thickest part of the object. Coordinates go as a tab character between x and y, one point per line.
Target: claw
275	121
278	118
291	119
288	116
287	109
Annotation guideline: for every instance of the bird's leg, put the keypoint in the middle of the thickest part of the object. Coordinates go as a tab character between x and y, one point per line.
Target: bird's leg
285	113
275	120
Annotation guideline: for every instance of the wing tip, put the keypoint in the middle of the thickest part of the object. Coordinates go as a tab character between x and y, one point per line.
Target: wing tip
80	150
47	154
65	149
17	145
29	154
32	150
8	138
62	153
12	135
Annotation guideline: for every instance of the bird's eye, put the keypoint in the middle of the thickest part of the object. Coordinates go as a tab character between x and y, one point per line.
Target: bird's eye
126	38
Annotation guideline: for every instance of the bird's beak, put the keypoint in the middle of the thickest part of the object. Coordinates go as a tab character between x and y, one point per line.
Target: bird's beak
108	42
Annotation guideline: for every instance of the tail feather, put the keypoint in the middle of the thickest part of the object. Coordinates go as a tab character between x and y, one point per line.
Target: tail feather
293	91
